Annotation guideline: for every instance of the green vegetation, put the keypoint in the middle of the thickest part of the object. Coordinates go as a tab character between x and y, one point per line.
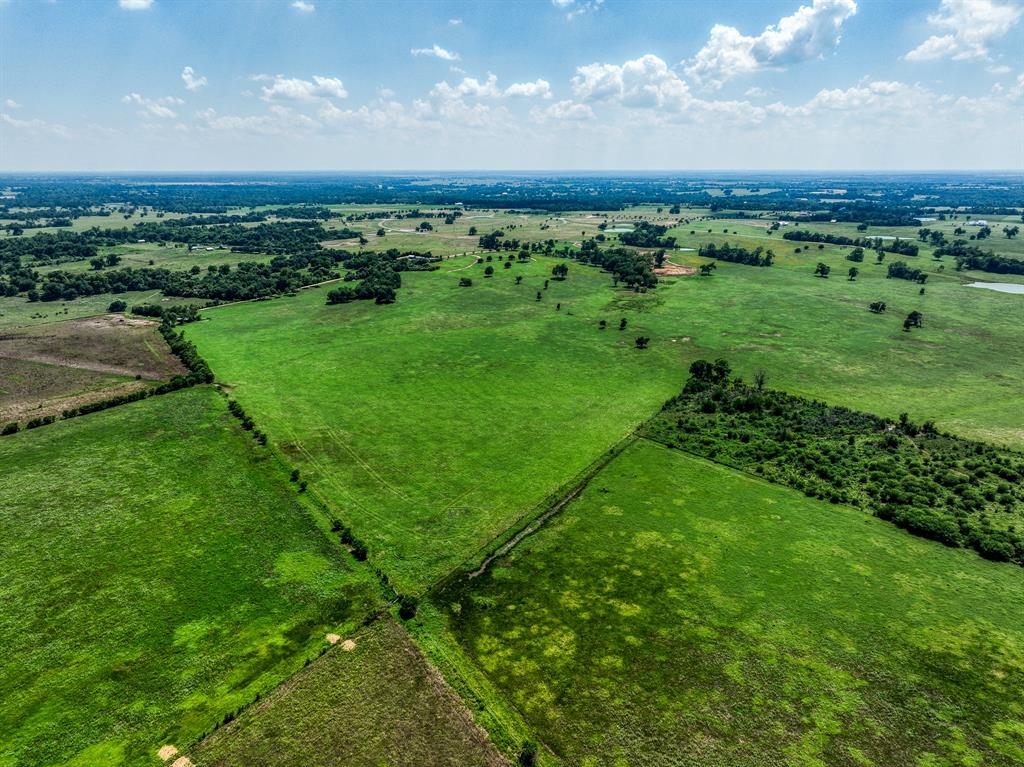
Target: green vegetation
939	486
164	577
376	701
681	612
447	416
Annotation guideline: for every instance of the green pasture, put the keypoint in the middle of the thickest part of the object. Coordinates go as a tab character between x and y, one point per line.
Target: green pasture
159	573
679	612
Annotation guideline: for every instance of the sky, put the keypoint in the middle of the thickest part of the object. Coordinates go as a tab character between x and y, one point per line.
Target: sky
175	85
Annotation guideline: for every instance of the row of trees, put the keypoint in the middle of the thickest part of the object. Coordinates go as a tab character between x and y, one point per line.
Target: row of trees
903	247
957	491
737	254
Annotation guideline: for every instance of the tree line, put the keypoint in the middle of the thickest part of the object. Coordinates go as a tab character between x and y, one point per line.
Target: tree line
903	247
957	491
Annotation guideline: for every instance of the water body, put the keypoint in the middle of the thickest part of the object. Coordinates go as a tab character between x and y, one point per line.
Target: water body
1002	287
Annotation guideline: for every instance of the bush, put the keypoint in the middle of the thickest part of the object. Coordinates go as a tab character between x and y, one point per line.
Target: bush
408	606
528	754
117	306
11	428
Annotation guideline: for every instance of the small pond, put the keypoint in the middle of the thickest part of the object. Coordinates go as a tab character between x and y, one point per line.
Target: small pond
1002	287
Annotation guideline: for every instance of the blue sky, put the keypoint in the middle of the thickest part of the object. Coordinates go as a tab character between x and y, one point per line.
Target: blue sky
544	84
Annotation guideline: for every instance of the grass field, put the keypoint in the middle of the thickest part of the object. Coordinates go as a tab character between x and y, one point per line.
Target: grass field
378	703
448	415
164	576
47	368
15	311
679	612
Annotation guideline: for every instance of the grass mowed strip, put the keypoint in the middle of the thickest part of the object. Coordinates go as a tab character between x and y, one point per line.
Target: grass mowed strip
432	425
680	612
372	700
165	575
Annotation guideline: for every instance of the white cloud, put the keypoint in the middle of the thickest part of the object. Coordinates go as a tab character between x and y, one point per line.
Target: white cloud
643	82
34	126
972	26
11	104
160	108
278	120
537	89
437	52
809	33
567	110
295	89
574	8
470	87
135	5
454	22
192	83
304	7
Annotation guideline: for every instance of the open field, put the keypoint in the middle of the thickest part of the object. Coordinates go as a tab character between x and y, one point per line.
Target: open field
376	701
47	368
679	612
417	421
169	576
448	415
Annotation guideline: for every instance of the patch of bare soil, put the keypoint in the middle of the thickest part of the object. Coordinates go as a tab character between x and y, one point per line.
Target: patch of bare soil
333	638
166	752
348	645
675	270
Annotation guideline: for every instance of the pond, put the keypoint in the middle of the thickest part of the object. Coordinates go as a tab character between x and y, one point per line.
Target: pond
1002	287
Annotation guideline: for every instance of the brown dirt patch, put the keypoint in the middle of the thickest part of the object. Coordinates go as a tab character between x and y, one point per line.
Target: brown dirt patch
675	270
166	752
348	645
182	762
333	638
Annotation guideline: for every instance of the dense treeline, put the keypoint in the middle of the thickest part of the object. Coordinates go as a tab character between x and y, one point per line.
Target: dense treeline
938	486
903	247
737	254
901	271
973	257
647	235
634	269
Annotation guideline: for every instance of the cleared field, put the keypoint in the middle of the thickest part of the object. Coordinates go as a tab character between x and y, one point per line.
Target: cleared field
376	701
433	424
161	579
679	612
47	368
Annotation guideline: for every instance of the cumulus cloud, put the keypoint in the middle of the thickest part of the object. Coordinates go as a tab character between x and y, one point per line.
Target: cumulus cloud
135	5
295	89
470	87
454	22
160	108
537	89
278	120
644	82
11	104
437	52
192	83
972	27
304	7
809	33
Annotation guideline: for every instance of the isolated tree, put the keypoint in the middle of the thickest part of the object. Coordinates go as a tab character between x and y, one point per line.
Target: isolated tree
852	273
538	295
488	271
759	379
465	282
560	271
381	232
1011	231
508	264
622	324
519	279
707	269
877	307
528	754
602	324
472	231
117	306
822	270
916	319
879	257
642	341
